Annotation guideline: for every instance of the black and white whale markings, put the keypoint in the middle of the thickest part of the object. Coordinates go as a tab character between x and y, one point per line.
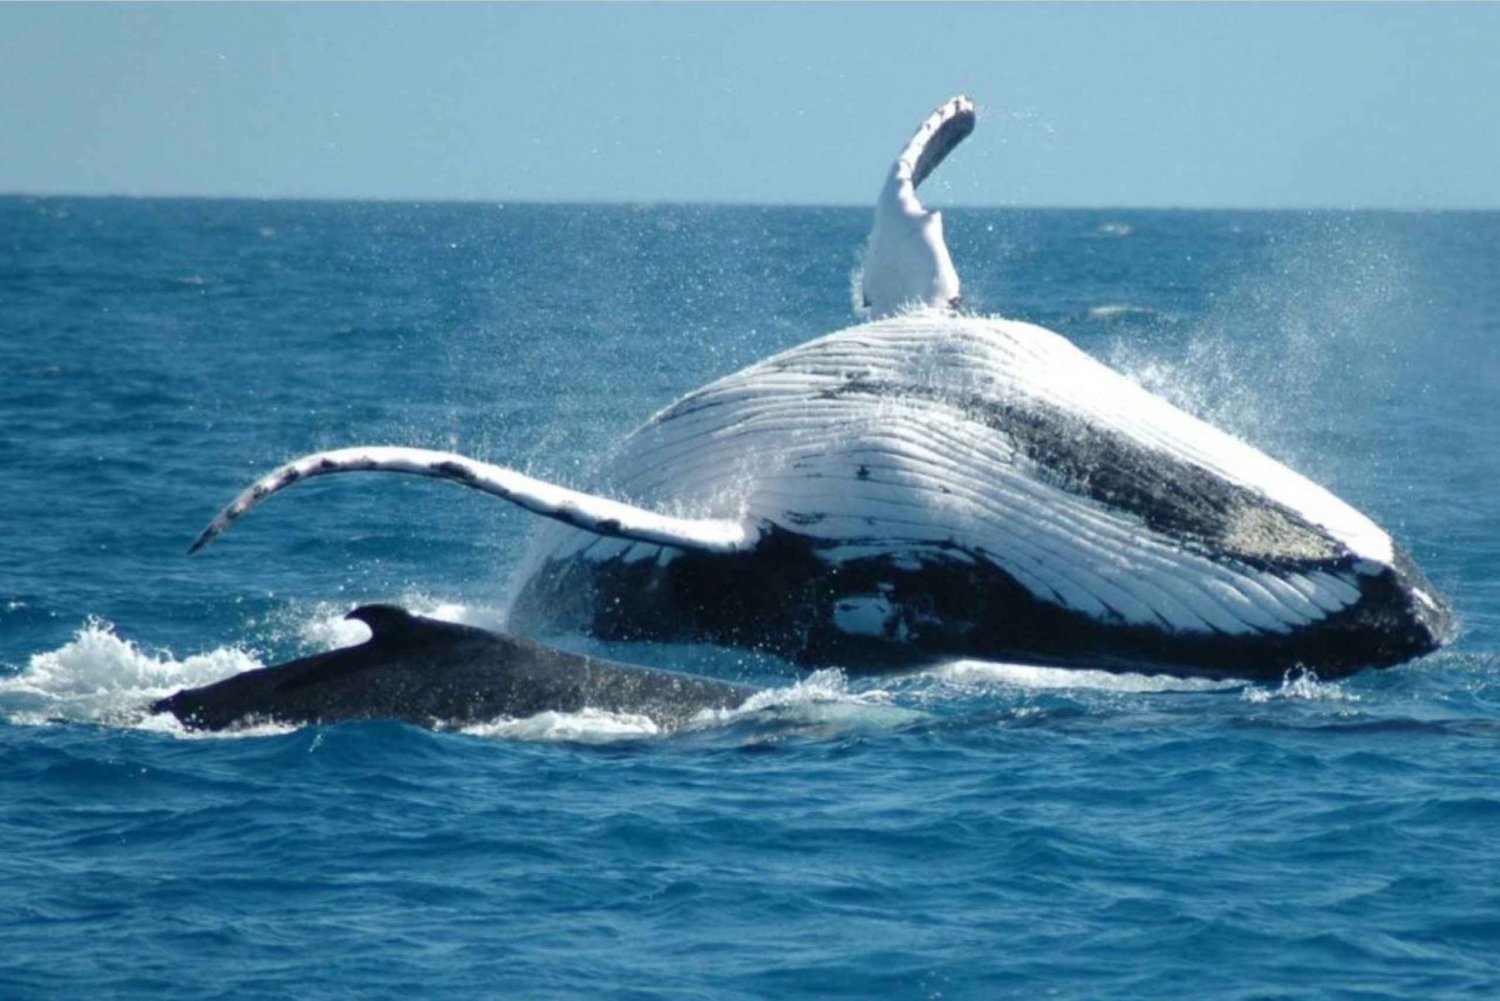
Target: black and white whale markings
435	673
933	484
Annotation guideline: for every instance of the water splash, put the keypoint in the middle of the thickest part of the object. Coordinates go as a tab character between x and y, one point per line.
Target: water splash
1301	686
320	626
1293	349
98	677
102	678
821	704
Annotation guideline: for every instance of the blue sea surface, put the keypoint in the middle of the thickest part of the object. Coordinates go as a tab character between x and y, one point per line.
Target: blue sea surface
977	831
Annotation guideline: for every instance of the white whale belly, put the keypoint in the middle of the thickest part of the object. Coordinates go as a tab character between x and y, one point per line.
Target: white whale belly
934	437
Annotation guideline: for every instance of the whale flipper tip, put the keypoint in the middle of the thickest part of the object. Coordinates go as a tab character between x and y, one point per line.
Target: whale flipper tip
943	130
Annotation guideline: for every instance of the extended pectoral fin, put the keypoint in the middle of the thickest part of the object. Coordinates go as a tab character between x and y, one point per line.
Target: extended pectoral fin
589	512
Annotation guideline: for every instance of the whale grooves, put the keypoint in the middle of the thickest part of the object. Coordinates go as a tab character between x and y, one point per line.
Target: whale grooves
434	673
934	484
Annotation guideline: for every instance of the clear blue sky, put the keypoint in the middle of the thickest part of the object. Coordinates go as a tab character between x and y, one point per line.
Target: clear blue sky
1156	105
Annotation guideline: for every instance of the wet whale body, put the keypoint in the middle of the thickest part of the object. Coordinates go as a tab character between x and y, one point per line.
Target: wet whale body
1002	496
934	484
434	673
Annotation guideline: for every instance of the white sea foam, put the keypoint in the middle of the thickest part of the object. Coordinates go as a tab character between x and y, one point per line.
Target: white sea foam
328	628
819	704
1303	686
982	672
822	699
98	677
825	686
588	726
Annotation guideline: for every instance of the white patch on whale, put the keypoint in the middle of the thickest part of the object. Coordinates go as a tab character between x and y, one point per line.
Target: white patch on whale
911	477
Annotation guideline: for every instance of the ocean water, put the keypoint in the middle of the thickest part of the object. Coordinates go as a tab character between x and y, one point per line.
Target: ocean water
975	831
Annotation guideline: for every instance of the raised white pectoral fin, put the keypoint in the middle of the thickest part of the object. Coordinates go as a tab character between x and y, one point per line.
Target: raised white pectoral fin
908	262
589	512
944	129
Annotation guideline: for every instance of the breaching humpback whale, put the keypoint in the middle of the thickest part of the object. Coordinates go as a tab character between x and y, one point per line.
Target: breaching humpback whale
934	484
435	673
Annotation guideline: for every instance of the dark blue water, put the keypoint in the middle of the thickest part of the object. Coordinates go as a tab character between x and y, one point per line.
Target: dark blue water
989	831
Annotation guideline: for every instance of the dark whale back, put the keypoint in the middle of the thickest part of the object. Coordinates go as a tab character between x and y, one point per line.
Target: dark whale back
434	673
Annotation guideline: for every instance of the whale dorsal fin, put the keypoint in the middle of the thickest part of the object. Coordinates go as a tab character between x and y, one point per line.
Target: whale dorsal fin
907	263
385	621
590	512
